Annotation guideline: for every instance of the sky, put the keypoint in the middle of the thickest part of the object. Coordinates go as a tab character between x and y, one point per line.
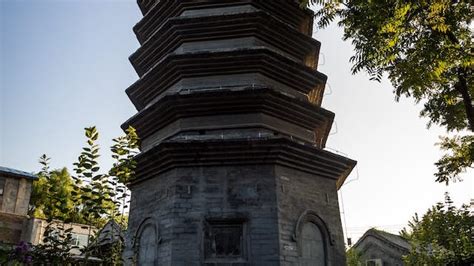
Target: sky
64	66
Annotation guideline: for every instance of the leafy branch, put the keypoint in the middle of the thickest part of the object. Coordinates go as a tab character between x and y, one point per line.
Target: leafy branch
425	48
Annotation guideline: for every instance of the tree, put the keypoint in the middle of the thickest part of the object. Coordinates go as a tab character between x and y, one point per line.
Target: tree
51	194
124	150
104	196
442	237
55	196
92	189
51	200
89	197
353	257
425	48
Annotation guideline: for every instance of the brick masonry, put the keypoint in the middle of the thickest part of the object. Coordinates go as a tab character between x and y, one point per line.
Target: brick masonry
270	198
232	166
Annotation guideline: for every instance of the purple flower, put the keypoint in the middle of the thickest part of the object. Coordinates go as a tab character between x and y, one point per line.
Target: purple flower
20	253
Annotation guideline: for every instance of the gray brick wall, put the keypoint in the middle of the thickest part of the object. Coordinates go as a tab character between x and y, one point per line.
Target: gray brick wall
196	194
297	193
271	198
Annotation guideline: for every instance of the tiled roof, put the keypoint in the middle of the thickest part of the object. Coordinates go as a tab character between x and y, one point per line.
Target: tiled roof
16	173
396	239
387	237
110	233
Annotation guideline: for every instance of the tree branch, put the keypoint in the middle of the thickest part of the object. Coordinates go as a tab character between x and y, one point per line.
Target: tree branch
462	88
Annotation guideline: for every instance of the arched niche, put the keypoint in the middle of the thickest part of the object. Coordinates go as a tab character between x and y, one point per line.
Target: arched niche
312	238
146	243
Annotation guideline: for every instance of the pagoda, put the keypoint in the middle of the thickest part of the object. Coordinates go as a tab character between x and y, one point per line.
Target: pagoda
233	168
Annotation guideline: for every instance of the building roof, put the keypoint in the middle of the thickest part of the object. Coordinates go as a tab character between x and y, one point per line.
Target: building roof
110	233
392	239
5	171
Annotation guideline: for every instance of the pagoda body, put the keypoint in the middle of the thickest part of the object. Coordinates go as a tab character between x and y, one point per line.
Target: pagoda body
232	169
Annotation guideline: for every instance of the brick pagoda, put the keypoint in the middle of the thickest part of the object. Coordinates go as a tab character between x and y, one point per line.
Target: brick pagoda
232	169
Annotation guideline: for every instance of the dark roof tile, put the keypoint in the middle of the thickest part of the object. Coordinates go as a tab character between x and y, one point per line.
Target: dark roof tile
16	173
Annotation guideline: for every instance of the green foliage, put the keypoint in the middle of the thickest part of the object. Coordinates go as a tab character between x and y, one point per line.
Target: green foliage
104	195
56	247
51	194
52	200
124	150
460	156
92	189
113	255
89	197
353	258
425	48
442	237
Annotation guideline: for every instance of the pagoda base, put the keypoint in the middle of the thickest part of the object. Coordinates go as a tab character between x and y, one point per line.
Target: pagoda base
236	203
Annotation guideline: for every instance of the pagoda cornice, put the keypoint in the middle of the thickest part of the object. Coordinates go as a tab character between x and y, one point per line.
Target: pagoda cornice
261	25
169	155
174	67
157	12
218	102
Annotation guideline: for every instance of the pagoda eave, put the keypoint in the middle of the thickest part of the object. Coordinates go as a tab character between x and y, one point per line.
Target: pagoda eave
300	79
173	154
157	12
233	102
182	32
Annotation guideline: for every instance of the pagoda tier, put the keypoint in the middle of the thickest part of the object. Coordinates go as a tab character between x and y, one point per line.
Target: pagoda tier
226	68
228	110
232	169
158	12
257	151
249	29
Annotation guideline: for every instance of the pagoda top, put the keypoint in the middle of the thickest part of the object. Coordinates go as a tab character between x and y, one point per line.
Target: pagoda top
146	5
158	12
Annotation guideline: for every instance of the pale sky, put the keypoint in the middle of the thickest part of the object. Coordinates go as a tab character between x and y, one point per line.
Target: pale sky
64	66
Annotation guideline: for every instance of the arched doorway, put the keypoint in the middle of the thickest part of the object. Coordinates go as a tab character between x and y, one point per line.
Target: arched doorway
146	243
147	249
313	250
313	240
